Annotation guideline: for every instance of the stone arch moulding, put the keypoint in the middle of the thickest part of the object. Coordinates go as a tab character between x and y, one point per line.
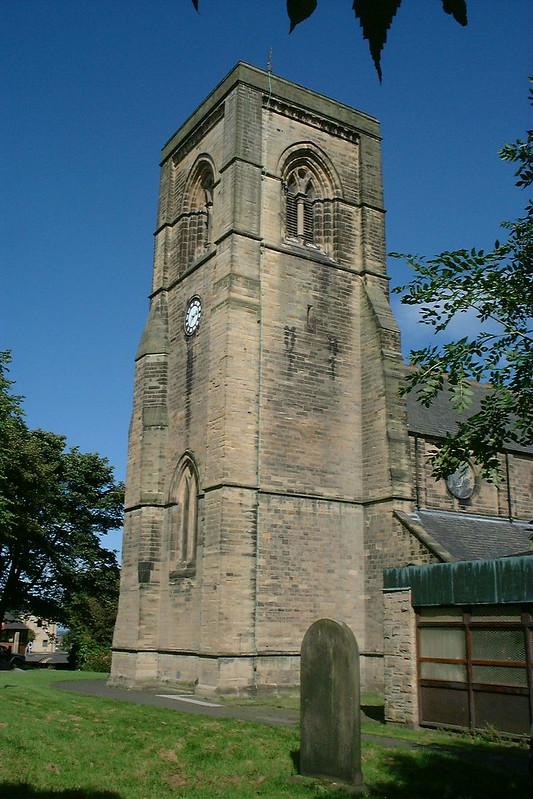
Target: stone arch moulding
309	153
195	229
311	189
182	518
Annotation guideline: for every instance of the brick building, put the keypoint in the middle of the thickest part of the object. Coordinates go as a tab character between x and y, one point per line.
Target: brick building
270	472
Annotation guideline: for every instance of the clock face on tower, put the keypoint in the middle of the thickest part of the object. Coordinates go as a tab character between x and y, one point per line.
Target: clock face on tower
193	315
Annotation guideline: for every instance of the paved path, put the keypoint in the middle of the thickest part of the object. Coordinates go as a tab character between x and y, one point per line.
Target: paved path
183	703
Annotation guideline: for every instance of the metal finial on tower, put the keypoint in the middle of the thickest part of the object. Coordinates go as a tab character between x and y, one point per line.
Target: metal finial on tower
269	60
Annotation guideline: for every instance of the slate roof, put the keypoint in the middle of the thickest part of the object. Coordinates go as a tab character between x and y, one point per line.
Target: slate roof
440	418
14	625
469	537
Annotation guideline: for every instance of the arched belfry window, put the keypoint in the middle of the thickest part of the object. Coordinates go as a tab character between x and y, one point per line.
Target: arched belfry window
196	227
311	191
183	519
299	204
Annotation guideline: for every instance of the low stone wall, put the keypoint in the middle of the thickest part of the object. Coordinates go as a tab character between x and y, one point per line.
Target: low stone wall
401	694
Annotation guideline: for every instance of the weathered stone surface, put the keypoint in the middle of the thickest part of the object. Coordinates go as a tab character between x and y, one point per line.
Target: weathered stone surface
285	399
330	715
401	681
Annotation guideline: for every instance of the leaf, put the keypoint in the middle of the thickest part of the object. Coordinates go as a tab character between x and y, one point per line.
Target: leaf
195	4
461	395
457	8
298	10
375	18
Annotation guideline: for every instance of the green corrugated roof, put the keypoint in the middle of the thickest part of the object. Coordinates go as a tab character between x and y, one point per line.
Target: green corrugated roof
470	582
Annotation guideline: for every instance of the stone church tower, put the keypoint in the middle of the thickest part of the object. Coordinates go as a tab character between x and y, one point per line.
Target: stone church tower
268	444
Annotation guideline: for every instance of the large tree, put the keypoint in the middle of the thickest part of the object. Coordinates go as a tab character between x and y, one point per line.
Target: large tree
90	614
55	505
497	288
375	18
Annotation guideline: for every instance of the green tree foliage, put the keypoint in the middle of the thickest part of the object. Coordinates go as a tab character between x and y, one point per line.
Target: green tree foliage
55	505
90	614
498	287
375	18
11	427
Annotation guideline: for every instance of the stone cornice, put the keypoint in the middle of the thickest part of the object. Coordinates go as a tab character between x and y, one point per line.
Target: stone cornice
313	120
203	127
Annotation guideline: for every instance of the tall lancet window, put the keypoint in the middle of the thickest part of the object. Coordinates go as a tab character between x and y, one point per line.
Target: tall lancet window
196	223
201	215
183	520
300	195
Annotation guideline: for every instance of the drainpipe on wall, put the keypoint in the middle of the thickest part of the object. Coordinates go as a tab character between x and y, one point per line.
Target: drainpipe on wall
417	486
508	478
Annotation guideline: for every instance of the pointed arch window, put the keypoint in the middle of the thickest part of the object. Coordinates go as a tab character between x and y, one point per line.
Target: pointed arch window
300	195
311	193
183	520
202	214
196	226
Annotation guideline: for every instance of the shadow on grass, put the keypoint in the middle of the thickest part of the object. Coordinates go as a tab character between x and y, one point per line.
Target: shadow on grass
21	790
376	712
424	774
295	757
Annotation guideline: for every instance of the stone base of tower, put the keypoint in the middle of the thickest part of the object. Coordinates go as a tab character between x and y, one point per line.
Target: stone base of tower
211	675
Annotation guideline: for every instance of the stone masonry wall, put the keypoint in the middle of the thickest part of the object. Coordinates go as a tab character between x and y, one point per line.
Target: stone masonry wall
310	428
309	566
508	498
399	645
521	474
285	400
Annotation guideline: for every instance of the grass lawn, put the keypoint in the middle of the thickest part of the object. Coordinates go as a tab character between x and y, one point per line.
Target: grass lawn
373	723
56	745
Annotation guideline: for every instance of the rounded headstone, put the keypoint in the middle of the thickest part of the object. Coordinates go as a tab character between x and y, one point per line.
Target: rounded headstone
330	716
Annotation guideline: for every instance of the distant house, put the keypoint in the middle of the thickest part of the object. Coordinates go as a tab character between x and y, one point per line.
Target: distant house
45	632
14	635
22	634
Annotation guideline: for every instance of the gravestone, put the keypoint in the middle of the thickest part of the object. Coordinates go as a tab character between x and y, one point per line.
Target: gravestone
329	713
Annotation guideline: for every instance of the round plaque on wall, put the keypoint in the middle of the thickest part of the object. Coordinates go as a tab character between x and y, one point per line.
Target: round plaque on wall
462	482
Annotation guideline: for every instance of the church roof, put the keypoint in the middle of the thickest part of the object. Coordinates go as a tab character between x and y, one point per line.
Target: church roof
462	536
440	418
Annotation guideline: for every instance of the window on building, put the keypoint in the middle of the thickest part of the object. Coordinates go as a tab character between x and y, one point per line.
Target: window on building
196	225
201	215
183	520
299	205
474	666
309	200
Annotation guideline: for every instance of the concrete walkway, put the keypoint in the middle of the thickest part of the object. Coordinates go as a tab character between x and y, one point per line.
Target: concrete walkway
189	703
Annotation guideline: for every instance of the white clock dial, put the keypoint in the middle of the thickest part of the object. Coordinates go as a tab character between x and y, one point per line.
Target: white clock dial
193	315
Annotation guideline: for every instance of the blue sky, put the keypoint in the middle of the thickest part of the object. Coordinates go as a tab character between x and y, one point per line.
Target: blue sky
90	91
